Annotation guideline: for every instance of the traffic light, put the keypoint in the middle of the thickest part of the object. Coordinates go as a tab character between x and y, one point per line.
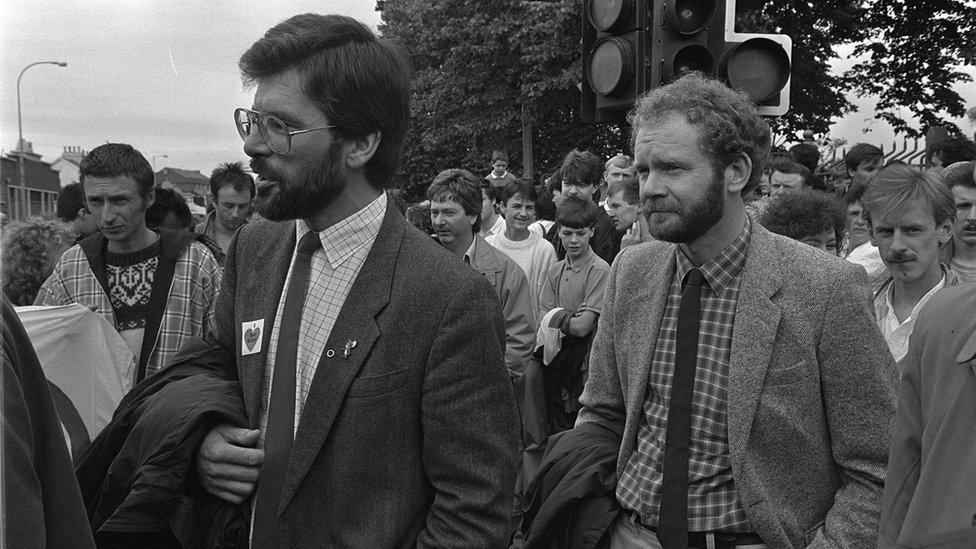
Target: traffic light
636	45
615	34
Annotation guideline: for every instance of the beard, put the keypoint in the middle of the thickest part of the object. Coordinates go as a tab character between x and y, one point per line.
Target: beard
692	222
302	195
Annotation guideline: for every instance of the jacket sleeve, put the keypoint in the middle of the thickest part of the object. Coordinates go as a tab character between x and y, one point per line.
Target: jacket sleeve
470	429
53	291
211	279
519	321
605	242
603	396
858	380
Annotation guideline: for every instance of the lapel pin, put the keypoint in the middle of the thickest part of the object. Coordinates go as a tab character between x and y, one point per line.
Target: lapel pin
350	345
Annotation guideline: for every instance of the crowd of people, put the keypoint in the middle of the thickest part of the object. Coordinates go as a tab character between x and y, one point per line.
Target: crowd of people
701	342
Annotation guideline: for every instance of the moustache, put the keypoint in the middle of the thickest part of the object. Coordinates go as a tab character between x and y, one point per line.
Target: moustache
900	257
654	206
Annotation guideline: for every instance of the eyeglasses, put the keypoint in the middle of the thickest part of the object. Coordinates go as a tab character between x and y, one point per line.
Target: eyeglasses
274	132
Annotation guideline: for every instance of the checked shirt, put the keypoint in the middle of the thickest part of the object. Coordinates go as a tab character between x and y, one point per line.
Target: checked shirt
713	503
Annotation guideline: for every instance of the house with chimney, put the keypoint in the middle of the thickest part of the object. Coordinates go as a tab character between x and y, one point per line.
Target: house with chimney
36	194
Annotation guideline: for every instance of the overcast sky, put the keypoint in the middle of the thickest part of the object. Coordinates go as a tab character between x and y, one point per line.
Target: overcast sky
163	76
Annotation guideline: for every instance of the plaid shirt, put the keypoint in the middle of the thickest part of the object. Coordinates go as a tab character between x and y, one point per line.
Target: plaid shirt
713	504
189	308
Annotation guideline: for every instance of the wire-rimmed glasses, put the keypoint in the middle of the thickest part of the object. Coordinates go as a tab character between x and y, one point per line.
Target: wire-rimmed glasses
274	132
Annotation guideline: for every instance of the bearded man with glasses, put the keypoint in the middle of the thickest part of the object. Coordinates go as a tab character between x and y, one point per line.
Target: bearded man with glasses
371	361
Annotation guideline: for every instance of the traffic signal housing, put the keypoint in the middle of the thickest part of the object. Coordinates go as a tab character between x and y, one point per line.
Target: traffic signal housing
666	38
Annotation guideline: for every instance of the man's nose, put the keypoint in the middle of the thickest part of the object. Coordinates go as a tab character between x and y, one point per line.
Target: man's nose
650	187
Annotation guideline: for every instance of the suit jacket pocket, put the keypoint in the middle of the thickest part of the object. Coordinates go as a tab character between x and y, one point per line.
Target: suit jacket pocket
374	386
787	376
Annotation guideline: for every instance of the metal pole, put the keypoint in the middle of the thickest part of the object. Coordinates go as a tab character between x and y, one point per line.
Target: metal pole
20	133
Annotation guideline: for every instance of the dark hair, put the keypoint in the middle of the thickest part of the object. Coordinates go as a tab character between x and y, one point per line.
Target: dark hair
494	193
545	208
30	250
855	193
581	168
953	149
727	121
70	199
788	166
360	82
460	186
418	215
522	187
168	201
499	155
117	160
861	153
960	174
629	185
233	174
806	154
804	213
577	213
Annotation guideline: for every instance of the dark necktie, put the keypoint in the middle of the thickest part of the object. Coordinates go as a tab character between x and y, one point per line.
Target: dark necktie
672	526
280	430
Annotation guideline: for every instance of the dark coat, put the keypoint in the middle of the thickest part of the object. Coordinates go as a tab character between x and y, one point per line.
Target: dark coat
411	438
42	504
134	476
571	503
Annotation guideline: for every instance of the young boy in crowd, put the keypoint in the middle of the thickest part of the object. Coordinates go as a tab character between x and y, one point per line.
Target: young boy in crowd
570	305
534	254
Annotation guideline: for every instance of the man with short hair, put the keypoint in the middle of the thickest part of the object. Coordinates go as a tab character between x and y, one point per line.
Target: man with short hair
744	369
158	288
371	361
859	249
861	162
910	215
73	210
454	213
787	175
618	167
951	150
811	217
170	211
960	254
579	174
491	221
499	175
231	189
530	251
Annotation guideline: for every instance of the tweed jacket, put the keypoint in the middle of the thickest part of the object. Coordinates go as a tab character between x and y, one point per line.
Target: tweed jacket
512	288
811	385
409	439
929	500
188	309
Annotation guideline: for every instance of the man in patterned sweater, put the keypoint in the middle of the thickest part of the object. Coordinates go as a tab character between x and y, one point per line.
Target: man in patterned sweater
157	288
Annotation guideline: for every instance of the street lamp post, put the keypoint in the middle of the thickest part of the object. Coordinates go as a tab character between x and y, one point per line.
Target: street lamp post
20	133
154	157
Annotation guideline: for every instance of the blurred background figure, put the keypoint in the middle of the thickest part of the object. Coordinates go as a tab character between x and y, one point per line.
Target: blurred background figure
807	216
30	251
73	210
418	215
169	211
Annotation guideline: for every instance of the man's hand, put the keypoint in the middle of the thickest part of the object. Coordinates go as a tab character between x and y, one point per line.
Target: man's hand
636	234
228	462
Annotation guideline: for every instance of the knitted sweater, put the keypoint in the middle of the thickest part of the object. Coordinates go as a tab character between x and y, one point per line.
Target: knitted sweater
534	255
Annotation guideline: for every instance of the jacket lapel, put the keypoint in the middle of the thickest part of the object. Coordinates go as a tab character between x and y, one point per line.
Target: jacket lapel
257	299
651	298
753	337
369	294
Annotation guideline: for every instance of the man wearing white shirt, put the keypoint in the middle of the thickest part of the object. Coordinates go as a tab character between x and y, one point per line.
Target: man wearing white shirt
910	214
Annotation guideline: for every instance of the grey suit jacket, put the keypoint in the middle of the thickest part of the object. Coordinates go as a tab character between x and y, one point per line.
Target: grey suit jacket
811	386
413	438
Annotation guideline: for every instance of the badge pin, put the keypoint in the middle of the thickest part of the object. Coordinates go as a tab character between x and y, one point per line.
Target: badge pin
350	345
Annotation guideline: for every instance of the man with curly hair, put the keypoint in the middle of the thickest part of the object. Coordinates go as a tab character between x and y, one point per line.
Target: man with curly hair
807	216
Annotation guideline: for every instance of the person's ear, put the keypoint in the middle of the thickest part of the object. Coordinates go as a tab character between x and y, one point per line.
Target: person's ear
737	173
360	151
945	231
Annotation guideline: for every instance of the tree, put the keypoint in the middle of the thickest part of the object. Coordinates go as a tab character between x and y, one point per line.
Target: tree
912	52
